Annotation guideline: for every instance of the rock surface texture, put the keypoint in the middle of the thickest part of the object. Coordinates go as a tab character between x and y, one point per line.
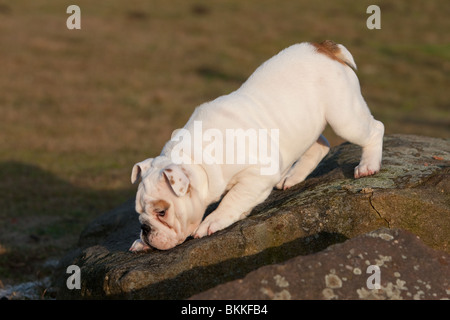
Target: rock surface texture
395	260
292	231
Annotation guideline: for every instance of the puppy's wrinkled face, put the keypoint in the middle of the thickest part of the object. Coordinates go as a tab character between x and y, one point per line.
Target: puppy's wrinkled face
159	226
166	208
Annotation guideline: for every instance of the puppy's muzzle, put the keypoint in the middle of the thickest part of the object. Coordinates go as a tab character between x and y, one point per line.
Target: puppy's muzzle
145	230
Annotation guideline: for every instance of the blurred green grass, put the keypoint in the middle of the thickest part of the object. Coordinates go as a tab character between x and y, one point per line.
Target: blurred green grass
80	107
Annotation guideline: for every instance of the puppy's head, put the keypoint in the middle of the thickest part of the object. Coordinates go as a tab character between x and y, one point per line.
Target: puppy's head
167	206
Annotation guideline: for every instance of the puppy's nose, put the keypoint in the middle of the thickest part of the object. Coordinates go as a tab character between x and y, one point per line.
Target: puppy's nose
145	229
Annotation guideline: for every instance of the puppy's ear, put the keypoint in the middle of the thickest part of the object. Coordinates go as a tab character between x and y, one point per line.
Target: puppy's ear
139	169
177	179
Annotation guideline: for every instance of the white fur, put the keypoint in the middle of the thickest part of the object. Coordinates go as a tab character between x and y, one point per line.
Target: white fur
298	91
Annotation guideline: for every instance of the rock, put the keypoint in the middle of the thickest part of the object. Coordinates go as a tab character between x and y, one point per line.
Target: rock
405	267
410	192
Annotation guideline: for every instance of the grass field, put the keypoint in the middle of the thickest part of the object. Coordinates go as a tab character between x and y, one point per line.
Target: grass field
80	107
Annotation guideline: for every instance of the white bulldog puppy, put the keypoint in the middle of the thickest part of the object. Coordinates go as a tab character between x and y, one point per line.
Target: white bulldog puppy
278	116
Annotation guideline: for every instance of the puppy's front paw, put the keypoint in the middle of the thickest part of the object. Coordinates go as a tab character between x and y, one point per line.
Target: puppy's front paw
291	181
209	226
138	245
288	182
280	184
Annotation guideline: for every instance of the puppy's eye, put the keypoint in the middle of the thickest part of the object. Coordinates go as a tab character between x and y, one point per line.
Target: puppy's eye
161	213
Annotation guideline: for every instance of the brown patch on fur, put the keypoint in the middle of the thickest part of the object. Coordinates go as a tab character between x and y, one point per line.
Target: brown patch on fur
330	49
172	181
188	191
160	205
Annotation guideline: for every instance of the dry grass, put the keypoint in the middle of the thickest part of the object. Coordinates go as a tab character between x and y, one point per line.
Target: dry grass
79	108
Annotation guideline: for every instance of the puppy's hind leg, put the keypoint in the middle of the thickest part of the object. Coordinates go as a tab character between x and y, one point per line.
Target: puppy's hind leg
371	152
306	164
356	125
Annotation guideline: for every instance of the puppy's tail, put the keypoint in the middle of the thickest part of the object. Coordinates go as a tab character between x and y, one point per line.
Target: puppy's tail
336	52
346	56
